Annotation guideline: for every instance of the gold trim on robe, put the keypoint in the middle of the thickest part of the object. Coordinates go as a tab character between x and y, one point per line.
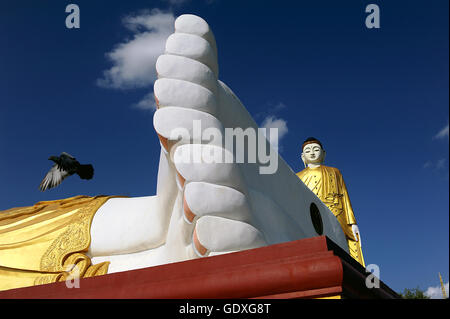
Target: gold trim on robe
48	242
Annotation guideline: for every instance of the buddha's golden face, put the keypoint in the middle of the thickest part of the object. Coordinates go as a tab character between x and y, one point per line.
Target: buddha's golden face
312	154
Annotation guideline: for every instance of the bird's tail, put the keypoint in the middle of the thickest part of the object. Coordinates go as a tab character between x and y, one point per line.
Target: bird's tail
85	171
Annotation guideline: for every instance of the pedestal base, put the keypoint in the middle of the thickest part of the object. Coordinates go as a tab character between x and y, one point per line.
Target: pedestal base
307	268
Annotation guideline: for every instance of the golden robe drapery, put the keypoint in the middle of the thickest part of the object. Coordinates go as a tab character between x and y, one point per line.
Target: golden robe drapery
47	242
328	184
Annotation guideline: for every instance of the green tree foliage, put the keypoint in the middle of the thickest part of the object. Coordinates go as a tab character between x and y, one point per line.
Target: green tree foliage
414	293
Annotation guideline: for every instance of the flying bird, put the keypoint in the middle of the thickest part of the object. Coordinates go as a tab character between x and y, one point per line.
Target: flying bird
65	165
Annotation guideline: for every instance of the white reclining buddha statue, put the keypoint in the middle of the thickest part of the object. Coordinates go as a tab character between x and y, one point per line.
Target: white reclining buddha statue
201	208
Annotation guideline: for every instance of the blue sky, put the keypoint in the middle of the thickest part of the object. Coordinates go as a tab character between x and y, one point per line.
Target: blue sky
376	98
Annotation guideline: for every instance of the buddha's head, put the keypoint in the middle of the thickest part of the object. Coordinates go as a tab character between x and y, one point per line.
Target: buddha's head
312	152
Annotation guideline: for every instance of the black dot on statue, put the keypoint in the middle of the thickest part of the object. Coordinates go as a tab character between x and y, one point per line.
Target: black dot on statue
316	219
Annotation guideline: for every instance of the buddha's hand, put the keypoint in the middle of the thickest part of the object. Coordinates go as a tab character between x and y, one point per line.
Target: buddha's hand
356	233
226	199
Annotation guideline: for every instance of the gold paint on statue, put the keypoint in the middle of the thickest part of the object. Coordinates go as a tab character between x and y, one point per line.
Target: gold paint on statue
330	297
47	242
327	183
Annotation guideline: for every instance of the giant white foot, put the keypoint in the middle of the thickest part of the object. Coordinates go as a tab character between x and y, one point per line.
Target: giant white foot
206	204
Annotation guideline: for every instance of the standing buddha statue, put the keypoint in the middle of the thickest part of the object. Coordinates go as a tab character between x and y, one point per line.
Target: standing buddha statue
327	183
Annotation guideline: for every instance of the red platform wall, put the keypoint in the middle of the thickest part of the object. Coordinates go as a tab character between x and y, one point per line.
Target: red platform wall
307	268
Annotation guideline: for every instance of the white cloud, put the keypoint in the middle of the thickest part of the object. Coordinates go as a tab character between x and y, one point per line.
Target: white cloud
441	163
442	133
428	164
277	107
436	292
438	165
272	122
147	102
133	61
272	109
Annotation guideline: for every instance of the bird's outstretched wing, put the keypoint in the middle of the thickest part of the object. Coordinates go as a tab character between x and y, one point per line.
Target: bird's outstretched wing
53	178
68	155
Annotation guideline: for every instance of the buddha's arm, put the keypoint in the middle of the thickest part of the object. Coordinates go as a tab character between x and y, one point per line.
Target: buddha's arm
347	206
346	201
